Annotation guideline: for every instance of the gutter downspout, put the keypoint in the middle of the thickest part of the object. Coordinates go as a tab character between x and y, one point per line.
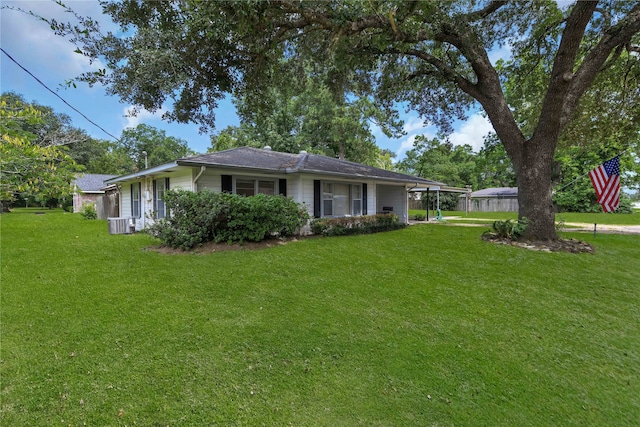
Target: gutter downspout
195	180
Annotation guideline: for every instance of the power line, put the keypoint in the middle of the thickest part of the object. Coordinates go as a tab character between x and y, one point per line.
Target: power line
69	105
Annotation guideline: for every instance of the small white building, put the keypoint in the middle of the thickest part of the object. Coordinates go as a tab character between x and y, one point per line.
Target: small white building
500	199
328	187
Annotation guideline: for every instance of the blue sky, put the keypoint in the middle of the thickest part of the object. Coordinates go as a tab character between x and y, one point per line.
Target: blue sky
51	58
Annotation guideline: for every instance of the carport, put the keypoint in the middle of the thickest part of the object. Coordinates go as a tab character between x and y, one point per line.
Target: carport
438	188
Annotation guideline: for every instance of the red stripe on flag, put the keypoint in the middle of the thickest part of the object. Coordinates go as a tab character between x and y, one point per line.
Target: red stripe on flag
611	194
598	179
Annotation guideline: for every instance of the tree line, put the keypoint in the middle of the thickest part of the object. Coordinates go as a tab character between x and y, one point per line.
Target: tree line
42	153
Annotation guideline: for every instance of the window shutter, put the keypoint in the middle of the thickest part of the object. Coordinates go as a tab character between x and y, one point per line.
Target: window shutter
227	184
316	198
166	183
364	199
155	195
132	211
282	187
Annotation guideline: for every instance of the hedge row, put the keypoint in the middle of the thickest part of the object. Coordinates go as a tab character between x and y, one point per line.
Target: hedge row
356	225
198	217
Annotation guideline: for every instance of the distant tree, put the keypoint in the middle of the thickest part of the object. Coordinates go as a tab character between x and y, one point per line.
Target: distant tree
30	169
438	159
310	118
493	166
52	128
160	148
235	136
385	160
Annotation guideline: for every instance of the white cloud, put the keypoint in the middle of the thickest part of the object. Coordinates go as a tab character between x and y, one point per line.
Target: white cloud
472	132
413	123
413	126
406	144
133	118
503	52
32	42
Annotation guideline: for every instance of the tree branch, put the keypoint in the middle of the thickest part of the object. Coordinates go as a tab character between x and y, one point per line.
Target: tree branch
562	71
486	11
617	35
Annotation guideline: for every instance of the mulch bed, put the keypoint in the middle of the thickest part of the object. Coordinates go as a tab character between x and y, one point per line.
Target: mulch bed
559	245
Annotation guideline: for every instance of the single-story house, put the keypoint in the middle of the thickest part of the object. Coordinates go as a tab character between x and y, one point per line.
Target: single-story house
87	188
499	199
328	187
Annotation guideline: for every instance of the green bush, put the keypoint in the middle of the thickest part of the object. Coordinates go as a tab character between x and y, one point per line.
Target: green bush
356	225
89	211
508	229
418	217
222	217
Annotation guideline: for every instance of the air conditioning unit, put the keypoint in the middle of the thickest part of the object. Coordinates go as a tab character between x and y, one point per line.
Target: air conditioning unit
121	225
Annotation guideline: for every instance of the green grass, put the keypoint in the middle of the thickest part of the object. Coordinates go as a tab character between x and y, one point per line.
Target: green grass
424	326
589	218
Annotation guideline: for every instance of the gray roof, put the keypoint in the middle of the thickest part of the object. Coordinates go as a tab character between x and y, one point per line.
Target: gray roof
496	192
91	182
267	160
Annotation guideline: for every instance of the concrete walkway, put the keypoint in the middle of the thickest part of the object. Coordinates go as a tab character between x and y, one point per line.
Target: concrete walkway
569	226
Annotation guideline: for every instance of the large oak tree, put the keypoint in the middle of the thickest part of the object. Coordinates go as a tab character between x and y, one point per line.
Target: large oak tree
432	56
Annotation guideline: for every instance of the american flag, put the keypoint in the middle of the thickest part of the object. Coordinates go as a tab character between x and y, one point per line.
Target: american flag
606	181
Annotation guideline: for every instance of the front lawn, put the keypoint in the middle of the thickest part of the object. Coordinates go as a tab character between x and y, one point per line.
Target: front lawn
427	325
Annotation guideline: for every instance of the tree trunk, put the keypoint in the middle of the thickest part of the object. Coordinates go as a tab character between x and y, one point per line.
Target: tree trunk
535	191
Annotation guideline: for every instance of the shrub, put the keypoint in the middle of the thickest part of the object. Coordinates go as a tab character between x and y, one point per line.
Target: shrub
356	225
418	217
508	229
89	211
222	217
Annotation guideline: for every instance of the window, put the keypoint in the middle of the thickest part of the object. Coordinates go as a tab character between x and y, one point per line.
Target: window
251	187
160	186
135	200
341	199
327	199
356	200
267	187
245	187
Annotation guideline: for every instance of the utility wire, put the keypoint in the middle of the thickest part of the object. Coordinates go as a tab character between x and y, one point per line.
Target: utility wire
46	87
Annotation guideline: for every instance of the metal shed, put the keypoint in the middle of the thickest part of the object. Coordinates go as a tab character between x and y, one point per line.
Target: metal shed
501	199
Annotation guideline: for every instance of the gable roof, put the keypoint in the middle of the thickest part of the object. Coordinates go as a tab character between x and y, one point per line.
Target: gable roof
274	161
92	182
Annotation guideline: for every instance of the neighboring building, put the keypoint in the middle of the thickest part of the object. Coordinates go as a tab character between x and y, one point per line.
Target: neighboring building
328	187
88	188
501	199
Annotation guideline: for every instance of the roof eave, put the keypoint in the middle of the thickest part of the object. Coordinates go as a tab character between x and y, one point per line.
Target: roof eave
142	173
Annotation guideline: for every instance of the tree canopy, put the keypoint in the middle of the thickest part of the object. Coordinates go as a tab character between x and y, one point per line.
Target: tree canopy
430	56
31	165
159	147
310	118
